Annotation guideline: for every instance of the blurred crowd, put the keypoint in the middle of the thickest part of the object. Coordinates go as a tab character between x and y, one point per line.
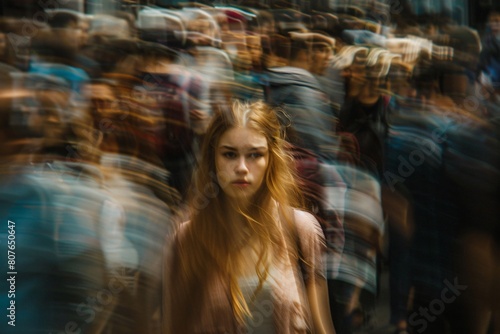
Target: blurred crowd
393	123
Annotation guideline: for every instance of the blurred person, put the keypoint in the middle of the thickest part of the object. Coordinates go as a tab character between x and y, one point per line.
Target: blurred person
408	196
14	48
146	219
254	46
363	113
112	114
202	29
56	201
276	49
66	28
115	57
109	26
240	56
352	274
84	25
330	78
135	178
248	85
488	242
396	198
53	57
236	265
312	120
103	102
57	50
444	201
267	25
311	133
489	63
170	97
354	287
126	230
473	144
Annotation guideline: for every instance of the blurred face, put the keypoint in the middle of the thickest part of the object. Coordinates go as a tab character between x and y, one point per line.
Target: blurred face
70	36
321	58
52	104
84	35
355	76
403	88
255	49
242	157
494	23
103	102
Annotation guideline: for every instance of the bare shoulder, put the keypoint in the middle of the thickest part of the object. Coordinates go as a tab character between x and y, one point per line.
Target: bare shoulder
306	222
311	240
303	215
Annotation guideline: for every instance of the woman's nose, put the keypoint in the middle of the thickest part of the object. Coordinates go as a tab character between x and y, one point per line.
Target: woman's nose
241	166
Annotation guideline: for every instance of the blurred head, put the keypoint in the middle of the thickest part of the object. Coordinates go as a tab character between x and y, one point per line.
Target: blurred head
267	25
494	22
355	73
400	80
66	29
277	49
299	53
240	55
103	103
254	47
84	27
16	120
311	51
322	55
39	112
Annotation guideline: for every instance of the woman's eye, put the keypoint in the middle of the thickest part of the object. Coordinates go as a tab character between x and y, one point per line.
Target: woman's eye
255	155
229	155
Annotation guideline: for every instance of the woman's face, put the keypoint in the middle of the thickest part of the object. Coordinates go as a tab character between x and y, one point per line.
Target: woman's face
241	159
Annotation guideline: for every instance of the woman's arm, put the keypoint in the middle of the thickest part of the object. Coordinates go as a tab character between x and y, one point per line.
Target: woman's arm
312	245
317	292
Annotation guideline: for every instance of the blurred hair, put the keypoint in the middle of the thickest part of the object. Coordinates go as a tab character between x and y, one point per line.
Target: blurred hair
495	10
63	19
297	46
214	243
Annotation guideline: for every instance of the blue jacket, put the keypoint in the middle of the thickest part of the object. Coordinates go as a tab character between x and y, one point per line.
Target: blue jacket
59	264
308	107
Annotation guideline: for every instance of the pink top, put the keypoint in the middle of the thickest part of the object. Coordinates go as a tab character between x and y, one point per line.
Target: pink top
289	308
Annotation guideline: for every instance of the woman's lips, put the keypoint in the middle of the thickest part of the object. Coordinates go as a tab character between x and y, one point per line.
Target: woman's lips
241	183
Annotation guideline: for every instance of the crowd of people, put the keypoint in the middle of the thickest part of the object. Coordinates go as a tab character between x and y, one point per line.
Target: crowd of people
246	168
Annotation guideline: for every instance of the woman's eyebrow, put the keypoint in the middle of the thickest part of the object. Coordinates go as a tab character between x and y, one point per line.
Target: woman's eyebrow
227	147
251	148
257	148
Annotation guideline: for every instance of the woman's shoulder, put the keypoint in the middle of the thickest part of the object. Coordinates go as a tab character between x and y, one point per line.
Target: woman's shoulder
306	222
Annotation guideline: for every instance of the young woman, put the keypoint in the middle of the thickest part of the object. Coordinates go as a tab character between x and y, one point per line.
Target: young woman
248	261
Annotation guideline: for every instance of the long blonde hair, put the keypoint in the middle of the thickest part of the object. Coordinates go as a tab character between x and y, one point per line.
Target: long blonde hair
213	243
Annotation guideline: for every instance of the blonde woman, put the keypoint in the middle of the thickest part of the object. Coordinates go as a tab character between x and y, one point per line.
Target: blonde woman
247	261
